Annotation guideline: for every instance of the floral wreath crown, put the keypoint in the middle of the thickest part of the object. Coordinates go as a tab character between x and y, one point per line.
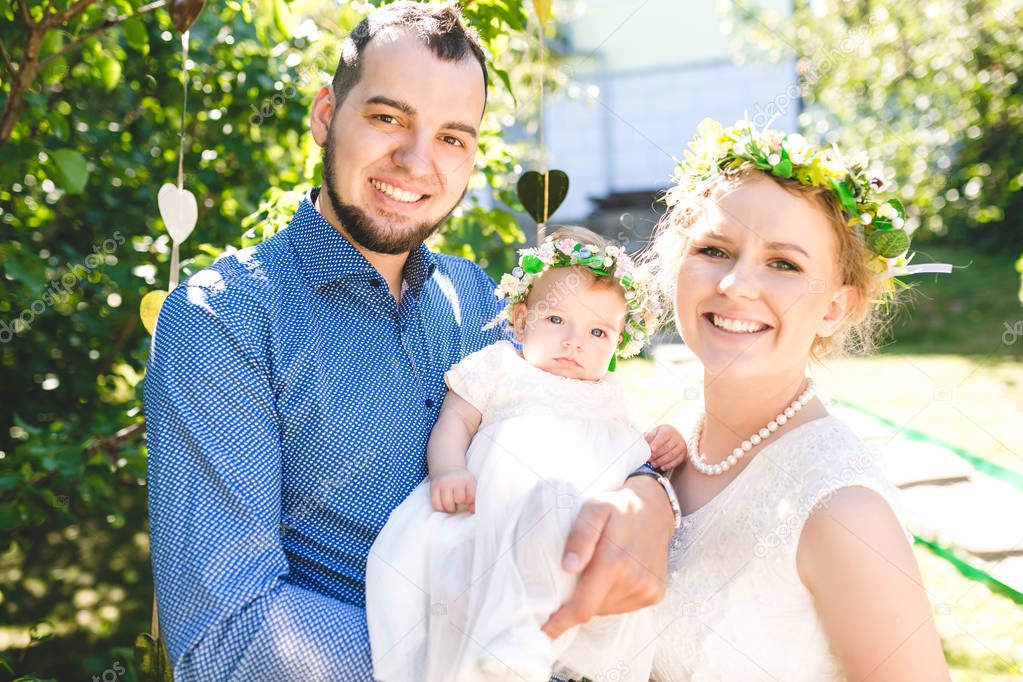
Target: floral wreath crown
611	261
881	222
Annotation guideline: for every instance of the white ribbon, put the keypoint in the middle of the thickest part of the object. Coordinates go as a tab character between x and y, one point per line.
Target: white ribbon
923	268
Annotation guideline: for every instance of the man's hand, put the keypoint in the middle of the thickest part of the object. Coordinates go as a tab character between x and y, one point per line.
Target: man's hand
453	490
619	545
667	447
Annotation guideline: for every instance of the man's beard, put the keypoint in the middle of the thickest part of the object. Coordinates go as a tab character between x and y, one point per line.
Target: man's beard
360	227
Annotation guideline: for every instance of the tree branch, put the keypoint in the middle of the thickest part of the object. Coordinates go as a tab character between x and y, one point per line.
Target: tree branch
109	444
61	18
26	16
7	60
106	25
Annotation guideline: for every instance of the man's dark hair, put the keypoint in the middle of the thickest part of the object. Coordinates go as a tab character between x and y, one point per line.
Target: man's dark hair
439	27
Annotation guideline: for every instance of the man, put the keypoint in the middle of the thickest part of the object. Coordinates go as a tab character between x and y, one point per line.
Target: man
292	387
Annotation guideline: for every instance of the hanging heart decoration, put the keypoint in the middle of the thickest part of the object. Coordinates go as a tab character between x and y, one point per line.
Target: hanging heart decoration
149	308
179	211
541	199
184	12
543	11
178	207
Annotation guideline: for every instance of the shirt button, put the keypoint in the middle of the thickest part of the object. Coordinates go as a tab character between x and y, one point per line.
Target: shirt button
428	402
374	282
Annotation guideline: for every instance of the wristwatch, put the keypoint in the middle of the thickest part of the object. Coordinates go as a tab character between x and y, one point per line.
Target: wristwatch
676	510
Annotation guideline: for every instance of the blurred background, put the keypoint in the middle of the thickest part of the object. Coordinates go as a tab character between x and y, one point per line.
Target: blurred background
91	101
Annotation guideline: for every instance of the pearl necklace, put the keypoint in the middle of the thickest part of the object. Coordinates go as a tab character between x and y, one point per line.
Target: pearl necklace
699	460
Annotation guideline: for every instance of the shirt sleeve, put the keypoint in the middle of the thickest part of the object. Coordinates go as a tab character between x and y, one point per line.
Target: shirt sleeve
475	377
228	609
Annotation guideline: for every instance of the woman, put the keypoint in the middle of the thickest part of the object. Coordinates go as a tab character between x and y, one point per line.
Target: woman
790	564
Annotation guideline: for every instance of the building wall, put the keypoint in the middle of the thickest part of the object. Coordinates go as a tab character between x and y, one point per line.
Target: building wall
644	75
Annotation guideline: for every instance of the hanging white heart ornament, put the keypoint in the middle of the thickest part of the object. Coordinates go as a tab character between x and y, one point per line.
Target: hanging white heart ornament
179	211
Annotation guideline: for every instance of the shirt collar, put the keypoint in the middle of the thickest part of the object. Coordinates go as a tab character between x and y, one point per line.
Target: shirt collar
326	256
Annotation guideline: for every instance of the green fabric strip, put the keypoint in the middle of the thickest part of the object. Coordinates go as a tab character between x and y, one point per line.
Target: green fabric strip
982	465
969	570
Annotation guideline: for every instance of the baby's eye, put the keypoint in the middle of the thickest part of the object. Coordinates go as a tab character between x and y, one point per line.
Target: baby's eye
599	333
712	251
554	319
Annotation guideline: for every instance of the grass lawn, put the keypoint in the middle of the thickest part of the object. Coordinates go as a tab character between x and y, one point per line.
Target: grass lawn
948	373
967	312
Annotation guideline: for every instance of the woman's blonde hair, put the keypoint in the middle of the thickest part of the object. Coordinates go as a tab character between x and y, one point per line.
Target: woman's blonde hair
861	329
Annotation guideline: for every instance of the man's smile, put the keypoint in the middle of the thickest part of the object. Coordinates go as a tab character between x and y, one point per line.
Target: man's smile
397	193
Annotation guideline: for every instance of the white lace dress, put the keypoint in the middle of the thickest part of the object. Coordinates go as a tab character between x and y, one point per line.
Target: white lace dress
444	591
735	607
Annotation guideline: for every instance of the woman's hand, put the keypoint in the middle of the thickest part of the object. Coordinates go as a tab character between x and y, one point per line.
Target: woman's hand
667	447
453	490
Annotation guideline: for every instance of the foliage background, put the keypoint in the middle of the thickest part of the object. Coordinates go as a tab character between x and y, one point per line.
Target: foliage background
933	86
78	181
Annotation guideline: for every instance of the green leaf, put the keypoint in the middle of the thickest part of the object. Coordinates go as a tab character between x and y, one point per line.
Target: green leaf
136	36
888	243
282	18
532	264
53	72
110	69
845	195
783	169
26	268
72	170
506	79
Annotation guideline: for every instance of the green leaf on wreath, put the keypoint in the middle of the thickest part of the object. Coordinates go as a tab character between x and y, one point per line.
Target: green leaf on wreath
888	243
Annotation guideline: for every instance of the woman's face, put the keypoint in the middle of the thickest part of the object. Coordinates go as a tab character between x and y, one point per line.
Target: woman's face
758	281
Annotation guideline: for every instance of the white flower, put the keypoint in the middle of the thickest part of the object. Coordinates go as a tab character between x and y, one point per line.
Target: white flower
546	252
774	159
739	148
898	223
797	147
888	211
865	218
611	250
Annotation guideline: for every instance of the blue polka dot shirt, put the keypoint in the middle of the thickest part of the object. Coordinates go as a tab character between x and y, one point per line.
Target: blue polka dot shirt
289	399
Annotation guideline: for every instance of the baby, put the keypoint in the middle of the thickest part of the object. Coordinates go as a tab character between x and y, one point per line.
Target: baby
468	568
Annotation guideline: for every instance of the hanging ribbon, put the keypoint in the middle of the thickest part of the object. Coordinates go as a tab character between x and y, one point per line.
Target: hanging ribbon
921	269
541	193
178	207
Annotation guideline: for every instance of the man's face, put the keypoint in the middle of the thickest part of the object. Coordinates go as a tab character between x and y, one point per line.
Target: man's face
399	151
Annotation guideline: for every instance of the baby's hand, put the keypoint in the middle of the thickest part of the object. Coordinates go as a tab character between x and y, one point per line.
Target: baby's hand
453	490
667	447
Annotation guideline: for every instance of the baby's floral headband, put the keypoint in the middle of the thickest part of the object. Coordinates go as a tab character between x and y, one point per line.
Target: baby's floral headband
642	308
881	222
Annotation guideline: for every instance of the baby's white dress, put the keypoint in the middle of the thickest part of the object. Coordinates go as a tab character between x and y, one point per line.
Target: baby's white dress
736	608
444	591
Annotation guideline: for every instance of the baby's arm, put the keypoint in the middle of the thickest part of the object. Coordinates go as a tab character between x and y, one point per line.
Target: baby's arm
667	447
452	487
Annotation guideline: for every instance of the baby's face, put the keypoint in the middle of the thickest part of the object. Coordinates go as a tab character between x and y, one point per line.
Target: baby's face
571	325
